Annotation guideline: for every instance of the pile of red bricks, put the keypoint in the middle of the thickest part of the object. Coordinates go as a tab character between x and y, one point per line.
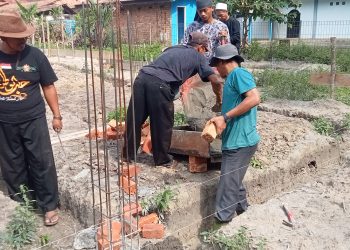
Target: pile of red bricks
134	223
114	131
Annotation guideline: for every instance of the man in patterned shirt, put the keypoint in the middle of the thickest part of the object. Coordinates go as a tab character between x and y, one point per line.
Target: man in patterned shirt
215	30
217	33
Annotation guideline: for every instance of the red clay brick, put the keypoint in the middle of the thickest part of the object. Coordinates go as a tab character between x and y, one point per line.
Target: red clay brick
147	145
148	219
93	134
131	171
103	236
133	209
197	164
130	224
116	229
104	244
128	185
153	231
111	134
145	130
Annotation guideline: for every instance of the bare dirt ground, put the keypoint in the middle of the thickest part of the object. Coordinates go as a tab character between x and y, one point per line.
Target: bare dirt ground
320	209
284	140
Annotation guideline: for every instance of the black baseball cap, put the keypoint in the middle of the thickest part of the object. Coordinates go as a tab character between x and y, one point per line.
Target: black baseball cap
199	39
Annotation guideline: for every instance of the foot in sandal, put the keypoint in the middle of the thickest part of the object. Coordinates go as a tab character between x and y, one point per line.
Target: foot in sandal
51	218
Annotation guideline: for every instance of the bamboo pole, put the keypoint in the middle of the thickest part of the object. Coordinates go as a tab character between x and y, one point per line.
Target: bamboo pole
43	33
333	66
48	38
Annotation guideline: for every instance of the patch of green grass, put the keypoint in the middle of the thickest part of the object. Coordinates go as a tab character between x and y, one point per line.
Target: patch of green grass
289	85
118	114
255	163
179	119
298	52
346	122
21	229
242	240
323	126
343	95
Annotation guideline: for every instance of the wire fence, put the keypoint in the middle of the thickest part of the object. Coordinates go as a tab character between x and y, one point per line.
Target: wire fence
306	30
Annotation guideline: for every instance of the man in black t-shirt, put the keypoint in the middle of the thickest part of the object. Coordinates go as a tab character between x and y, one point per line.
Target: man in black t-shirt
154	90
26	156
231	22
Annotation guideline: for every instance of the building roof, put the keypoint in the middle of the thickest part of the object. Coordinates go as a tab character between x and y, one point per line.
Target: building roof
43	5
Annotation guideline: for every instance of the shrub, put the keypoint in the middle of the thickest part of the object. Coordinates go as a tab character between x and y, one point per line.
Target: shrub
21	229
159	203
323	126
118	114
179	119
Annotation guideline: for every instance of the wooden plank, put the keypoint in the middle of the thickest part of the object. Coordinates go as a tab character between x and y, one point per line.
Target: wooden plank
324	79
189	143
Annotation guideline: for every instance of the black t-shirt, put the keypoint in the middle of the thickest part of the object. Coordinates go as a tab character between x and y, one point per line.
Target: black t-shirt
178	63
20	77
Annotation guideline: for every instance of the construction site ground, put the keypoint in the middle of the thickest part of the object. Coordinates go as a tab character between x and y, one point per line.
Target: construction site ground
301	168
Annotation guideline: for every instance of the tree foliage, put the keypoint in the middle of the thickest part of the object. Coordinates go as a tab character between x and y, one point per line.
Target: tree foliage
264	9
28	13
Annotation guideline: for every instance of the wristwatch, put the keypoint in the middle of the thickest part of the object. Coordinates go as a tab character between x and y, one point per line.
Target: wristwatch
226	118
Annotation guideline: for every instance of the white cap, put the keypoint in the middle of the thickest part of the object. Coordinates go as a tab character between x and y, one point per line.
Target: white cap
221	6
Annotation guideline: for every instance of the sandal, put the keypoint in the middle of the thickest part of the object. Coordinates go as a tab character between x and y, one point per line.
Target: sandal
51	220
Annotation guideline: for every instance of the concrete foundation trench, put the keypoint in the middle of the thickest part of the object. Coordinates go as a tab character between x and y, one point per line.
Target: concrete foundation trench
291	153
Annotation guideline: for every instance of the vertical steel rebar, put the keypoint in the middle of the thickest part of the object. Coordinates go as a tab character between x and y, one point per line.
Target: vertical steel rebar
89	114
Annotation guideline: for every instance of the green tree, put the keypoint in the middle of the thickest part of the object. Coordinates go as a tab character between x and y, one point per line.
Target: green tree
92	20
28	14
265	9
56	12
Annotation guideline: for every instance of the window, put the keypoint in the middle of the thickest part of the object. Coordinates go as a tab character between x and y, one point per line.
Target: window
331	3
180	23
337	3
343	3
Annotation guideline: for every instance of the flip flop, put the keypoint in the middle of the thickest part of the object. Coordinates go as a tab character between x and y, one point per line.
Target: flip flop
52	220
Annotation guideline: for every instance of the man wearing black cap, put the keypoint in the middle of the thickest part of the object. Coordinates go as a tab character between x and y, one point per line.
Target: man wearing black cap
154	91
237	123
215	30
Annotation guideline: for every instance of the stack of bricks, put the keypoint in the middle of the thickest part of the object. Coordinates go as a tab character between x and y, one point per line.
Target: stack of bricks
148	225
127	182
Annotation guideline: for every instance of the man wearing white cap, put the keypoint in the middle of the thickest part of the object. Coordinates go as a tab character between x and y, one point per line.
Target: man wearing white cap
231	22
214	29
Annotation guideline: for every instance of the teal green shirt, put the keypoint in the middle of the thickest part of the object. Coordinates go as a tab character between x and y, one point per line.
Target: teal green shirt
240	131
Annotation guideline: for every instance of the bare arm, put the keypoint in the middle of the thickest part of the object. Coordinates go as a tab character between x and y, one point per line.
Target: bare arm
51	98
252	99
216	84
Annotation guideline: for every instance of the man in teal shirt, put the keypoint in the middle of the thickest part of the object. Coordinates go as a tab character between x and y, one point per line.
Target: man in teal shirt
237	124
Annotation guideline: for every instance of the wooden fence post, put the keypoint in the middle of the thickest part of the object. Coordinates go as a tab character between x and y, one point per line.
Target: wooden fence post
333	67
48	38
43	33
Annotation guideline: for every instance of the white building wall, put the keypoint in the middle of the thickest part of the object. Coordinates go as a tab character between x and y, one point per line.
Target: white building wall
331	21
